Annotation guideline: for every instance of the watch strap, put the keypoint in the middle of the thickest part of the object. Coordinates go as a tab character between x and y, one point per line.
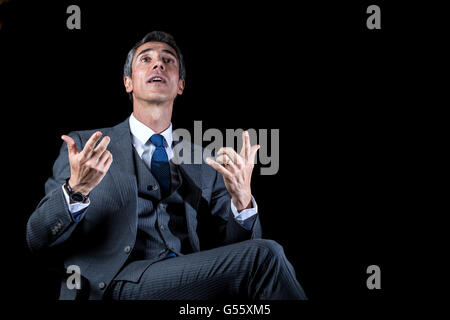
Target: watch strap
75	196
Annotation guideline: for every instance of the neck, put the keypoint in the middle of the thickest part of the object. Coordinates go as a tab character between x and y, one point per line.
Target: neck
156	116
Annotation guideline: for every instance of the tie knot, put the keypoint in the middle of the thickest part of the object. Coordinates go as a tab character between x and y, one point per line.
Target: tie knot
157	140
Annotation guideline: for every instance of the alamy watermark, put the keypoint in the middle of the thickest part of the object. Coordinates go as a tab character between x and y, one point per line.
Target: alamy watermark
373	22
191	150
74	280
374	280
74	20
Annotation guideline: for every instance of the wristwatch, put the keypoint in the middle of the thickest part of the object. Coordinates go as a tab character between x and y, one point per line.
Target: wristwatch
74	196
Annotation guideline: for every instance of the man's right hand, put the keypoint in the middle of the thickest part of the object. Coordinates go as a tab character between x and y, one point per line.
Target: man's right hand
88	167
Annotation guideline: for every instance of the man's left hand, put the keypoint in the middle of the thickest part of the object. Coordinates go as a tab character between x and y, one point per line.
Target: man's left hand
236	170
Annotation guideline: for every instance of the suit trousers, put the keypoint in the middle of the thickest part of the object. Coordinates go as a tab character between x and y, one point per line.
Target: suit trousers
254	269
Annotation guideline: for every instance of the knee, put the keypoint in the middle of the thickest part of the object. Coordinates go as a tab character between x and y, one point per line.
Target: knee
269	247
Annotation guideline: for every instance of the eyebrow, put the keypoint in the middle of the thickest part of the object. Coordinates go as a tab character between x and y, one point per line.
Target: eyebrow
150	49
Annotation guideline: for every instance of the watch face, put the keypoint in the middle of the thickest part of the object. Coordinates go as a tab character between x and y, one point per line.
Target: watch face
77	197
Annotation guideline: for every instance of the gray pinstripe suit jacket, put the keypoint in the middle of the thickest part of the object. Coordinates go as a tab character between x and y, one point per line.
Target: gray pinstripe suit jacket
96	243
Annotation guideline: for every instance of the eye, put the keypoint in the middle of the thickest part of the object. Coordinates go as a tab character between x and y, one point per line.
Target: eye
168	60
145	59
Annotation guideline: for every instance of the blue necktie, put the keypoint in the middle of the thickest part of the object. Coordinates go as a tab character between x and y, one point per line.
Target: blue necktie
160	163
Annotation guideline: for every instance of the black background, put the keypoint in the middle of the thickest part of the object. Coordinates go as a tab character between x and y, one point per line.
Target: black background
335	89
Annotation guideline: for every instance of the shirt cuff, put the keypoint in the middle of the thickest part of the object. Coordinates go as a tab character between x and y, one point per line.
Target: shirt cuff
247	216
75	209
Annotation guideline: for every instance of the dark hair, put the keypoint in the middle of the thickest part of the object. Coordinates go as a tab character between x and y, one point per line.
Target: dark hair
157	36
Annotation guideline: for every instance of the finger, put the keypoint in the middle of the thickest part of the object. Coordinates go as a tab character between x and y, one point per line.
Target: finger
227	150
253	151
108	162
235	158
230	165
101	147
104	156
225	161
89	147
71	146
245	145
218	167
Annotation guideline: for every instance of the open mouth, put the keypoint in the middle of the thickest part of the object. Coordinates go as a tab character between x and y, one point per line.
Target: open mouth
156	79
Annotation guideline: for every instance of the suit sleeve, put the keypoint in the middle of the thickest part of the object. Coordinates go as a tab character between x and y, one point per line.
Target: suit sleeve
51	223
229	229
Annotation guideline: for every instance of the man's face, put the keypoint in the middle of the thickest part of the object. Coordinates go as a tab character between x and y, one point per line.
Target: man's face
155	73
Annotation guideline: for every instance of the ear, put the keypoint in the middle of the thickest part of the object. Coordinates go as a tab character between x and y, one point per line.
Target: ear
181	85
128	84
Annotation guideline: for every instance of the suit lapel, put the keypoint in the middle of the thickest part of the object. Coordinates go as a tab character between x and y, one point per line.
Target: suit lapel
125	181
122	169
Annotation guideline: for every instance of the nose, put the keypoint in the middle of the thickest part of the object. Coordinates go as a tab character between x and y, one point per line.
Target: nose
159	64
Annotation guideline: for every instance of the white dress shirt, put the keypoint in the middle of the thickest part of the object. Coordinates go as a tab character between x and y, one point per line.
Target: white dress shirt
141	141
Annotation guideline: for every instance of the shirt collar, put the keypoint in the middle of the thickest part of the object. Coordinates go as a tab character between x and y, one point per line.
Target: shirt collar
143	133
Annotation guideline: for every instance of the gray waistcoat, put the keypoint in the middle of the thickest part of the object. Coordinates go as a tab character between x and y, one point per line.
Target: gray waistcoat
162	224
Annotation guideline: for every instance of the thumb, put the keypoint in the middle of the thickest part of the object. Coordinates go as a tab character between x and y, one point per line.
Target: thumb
253	151
71	146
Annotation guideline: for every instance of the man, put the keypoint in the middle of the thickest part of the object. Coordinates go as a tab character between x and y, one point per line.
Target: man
140	226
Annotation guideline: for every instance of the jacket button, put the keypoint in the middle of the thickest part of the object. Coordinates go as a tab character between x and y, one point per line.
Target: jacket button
127	249
102	285
161	227
162	206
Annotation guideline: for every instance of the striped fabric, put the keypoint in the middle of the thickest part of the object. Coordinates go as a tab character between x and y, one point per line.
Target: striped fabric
253	269
161	221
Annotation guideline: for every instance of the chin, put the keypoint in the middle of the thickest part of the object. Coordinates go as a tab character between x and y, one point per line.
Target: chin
157	99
